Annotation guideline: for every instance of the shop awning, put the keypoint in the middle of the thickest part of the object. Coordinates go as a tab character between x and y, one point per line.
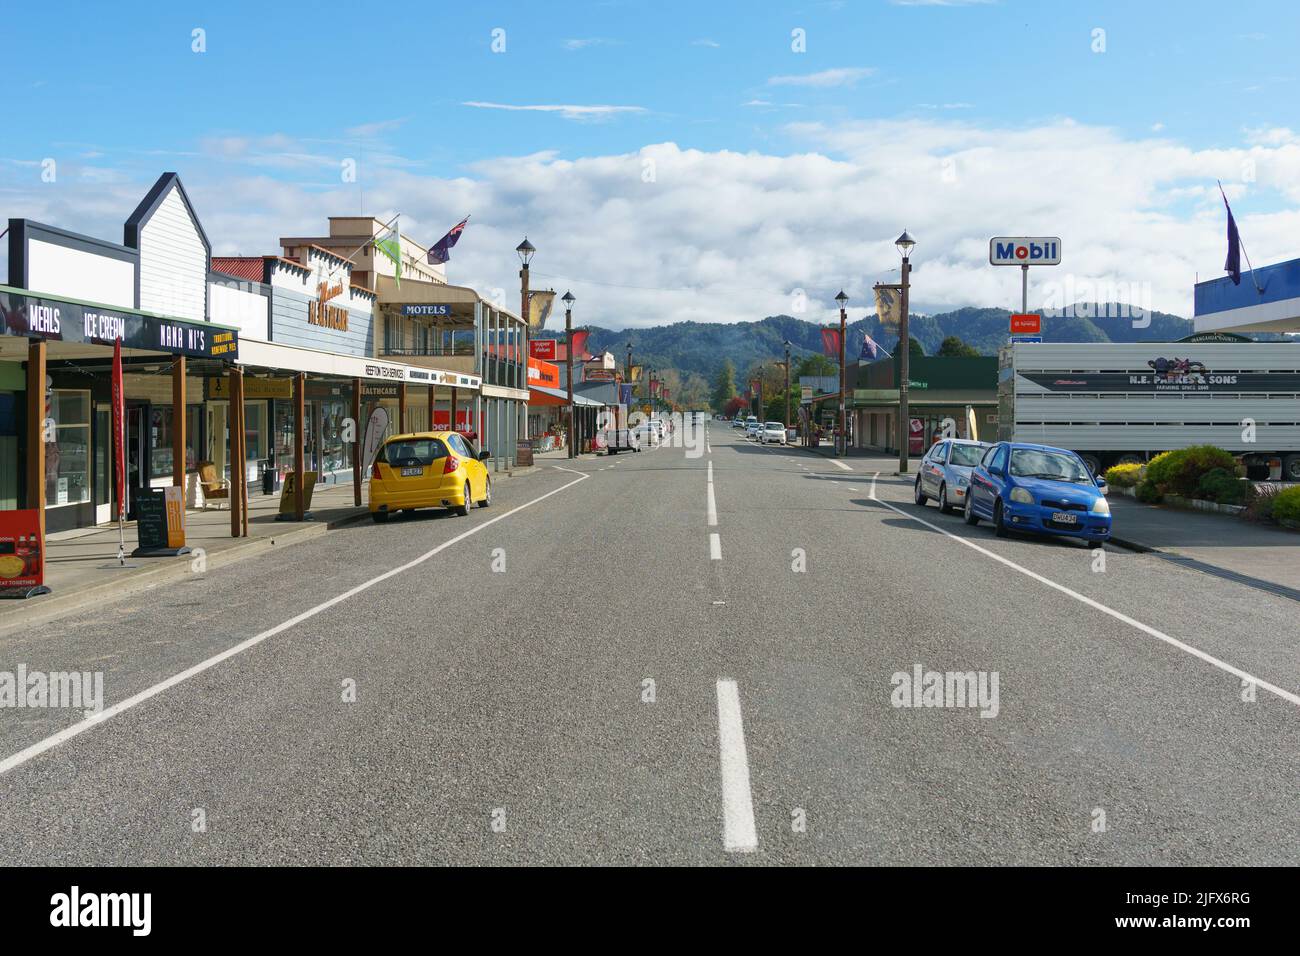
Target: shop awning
291	358
540	395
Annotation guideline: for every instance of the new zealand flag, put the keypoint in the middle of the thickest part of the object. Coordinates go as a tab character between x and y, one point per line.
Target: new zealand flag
441	250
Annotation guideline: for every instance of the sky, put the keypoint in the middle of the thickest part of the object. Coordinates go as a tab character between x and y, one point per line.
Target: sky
715	162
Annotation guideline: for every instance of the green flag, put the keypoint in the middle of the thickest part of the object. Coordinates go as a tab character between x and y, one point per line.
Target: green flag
389	242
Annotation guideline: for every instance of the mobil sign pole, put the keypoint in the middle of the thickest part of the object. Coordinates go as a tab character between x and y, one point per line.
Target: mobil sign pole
1024	251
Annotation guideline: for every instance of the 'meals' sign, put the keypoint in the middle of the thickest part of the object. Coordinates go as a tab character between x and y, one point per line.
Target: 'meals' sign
1025	251
59	320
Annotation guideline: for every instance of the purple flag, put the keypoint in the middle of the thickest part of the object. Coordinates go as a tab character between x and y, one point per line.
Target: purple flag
870	350
1232	265
441	250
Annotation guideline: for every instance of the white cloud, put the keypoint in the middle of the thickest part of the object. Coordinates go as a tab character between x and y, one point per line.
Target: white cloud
941	3
583	43
729	235
369	130
571	112
706	42
839	76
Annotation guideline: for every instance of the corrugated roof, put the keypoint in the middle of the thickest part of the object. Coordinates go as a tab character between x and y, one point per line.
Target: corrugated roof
241	267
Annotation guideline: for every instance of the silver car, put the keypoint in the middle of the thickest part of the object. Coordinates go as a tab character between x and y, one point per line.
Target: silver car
944	472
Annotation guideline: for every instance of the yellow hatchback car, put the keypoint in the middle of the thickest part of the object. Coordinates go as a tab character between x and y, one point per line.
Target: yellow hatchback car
428	470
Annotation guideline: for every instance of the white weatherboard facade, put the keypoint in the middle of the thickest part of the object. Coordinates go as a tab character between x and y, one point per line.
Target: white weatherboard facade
173	258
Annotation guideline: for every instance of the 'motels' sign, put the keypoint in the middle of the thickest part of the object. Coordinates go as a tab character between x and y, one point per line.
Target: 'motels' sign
1025	251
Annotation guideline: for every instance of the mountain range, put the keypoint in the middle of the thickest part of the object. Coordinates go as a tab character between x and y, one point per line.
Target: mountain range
701	347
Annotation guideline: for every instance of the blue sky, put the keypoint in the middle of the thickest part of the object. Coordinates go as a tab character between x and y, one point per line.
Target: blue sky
259	123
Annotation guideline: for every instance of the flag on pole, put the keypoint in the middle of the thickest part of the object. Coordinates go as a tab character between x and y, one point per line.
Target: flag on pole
870	350
389	242
1232	265
831	342
636	373
889	307
580	343
441	250
539	307
119	433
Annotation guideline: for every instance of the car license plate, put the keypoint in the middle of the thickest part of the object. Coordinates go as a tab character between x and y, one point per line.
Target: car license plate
414	471
1064	517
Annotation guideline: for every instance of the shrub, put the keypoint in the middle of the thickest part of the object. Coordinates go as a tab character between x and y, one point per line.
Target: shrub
1221	485
1259	502
1286	504
1147	491
1179	472
1124	476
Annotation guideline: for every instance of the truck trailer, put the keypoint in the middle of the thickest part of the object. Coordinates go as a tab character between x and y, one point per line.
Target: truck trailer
1115	403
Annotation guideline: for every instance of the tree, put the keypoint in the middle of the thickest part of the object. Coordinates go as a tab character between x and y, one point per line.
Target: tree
914	349
954	347
814	365
724	388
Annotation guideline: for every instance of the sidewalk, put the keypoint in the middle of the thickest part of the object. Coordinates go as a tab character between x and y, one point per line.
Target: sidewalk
1232	544
1259	555
81	566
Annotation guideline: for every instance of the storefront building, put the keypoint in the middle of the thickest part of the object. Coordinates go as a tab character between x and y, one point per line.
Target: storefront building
71	297
423	321
939	388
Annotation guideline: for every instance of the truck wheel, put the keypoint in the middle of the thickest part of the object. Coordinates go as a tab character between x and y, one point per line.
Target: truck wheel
1291	468
1092	461
1129	459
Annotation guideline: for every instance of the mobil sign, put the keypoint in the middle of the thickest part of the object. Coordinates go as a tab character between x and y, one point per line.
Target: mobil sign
1025	251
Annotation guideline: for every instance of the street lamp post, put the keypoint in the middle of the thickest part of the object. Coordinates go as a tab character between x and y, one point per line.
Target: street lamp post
525	250
842	442
568	301
787	383
904	243
628	378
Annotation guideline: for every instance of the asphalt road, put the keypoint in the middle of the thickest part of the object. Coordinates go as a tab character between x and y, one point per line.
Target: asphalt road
584	674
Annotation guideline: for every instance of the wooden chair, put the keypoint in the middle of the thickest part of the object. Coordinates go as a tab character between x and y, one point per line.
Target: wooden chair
214	487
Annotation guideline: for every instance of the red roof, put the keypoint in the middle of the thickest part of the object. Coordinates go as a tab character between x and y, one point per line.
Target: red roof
241	267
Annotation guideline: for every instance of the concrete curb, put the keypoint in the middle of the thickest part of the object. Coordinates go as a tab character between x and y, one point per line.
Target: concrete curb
39	610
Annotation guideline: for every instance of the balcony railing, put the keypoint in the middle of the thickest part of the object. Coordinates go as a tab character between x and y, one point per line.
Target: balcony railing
433	350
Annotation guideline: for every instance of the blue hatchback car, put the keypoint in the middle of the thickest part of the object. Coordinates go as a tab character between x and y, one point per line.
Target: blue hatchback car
1020	487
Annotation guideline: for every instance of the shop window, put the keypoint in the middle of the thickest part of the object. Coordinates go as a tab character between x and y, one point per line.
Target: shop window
67	458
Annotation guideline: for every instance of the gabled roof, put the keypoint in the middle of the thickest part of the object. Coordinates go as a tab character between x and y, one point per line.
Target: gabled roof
149	205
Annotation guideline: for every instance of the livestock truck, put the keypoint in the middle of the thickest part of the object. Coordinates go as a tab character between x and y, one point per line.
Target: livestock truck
1116	403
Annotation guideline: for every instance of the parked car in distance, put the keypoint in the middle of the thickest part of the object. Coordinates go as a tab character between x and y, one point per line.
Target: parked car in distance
753	429
621	439
428	470
773	432
737	423
1038	488
944	472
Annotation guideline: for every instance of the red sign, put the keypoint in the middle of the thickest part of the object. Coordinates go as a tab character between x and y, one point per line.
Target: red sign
22	557
542	349
915	436
1026	323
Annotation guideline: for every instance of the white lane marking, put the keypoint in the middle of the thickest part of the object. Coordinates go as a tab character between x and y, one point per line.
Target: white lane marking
715	546
49	743
738	833
712	502
1118	615
839	464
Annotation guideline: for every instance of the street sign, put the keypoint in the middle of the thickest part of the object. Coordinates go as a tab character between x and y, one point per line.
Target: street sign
1027	339
1026	323
1025	251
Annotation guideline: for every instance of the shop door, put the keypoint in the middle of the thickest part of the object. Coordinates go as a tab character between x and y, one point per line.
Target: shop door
137	454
